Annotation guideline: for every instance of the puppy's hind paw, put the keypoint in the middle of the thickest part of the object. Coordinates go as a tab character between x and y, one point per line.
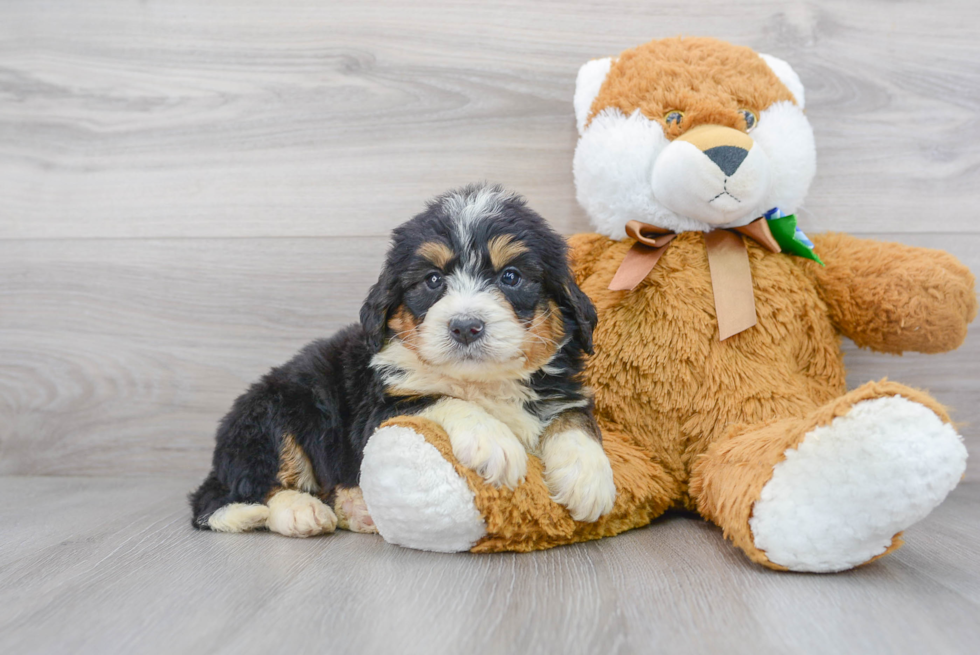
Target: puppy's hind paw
298	514
578	475
352	512
239	517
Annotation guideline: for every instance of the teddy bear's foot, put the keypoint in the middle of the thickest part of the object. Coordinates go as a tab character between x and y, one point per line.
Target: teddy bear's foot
416	497
841	497
834	489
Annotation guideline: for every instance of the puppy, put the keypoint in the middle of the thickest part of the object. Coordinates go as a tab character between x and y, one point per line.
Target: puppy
475	323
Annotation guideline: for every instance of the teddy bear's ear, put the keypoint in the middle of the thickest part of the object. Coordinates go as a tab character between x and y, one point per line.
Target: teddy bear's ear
787	76
587	85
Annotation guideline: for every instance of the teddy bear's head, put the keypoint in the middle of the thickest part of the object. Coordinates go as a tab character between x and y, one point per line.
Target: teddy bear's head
690	134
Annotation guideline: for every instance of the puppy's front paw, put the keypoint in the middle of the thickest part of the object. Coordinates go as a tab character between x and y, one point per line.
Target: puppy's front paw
480	441
492	450
298	514
578	474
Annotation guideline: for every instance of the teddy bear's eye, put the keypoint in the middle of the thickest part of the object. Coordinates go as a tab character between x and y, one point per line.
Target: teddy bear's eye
673	118
751	120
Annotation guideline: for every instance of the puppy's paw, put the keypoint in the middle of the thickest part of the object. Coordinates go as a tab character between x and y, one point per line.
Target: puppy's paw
480	441
578	474
298	514
492	450
352	512
239	517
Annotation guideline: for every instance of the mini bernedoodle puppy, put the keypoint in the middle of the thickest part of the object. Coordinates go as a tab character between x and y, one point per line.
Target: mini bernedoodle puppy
475	323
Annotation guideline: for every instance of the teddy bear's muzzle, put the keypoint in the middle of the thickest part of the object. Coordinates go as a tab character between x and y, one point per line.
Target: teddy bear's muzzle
713	174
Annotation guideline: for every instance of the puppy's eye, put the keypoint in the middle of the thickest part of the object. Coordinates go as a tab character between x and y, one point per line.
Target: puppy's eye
673	118
511	277
433	280
751	120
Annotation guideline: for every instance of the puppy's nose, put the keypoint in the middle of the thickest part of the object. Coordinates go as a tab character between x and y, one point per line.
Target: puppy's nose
727	158
466	330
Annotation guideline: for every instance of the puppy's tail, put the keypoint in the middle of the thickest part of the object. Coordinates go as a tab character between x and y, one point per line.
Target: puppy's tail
213	510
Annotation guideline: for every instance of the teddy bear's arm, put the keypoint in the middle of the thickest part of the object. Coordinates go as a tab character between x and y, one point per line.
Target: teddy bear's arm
894	298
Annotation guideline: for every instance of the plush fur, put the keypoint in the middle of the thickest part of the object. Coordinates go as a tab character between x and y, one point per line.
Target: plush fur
707	83
417	497
631	163
757	433
476	323
891	461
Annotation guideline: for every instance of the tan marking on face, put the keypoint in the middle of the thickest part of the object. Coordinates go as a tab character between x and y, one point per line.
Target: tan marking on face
295	469
503	249
706	79
405	327
436	252
706	137
544	333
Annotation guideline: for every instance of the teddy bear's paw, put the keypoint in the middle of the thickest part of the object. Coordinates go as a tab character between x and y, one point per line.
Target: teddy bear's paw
298	514
416	497
578	474
492	450
841	496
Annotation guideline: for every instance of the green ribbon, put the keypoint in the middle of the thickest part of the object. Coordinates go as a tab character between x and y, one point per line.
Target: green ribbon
787	236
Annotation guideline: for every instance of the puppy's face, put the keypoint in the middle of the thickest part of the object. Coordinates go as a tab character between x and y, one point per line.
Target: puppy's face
479	287
478	303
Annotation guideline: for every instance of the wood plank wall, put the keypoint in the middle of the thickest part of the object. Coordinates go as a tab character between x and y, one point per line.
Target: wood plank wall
191	191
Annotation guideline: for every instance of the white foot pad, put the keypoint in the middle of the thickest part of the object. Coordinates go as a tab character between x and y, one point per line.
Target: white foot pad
837	499
298	514
415	497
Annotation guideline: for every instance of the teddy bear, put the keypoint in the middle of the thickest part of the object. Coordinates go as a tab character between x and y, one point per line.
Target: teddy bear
718	374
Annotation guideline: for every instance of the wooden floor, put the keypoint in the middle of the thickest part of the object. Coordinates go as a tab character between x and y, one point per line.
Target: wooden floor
190	191
98	565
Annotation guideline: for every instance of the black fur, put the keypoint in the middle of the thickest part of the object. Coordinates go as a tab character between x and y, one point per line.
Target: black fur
331	400
327	397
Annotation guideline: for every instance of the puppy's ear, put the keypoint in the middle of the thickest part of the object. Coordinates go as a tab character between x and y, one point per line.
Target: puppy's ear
577	306
377	308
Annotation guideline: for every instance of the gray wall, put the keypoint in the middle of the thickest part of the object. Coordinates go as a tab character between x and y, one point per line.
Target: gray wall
188	194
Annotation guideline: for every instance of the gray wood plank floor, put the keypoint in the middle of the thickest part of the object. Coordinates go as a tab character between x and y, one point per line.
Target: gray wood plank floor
190	191
115	567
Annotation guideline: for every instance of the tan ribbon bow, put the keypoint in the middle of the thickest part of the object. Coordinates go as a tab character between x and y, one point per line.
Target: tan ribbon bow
728	262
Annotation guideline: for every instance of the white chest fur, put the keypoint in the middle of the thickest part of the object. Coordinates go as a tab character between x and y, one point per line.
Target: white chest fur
503	398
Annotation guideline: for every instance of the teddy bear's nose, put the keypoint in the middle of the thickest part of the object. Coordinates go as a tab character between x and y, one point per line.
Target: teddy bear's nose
727	158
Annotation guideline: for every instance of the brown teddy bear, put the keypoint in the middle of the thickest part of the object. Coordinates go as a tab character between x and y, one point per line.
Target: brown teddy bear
718	376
